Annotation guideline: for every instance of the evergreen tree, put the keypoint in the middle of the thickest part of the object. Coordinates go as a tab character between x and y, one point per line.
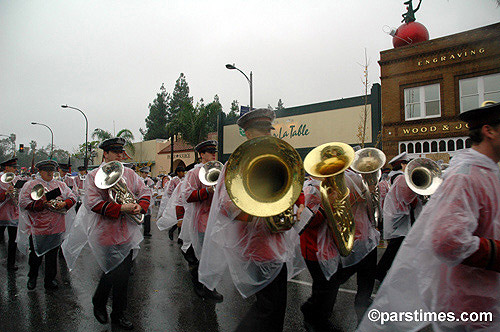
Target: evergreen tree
156	122
234	112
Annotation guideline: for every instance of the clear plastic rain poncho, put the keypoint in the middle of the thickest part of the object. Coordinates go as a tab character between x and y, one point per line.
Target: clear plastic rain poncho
48	229
253	254
169	215
196	213
9	212
426	274
71	183
327	254
366	237
397	207
167	192
111	240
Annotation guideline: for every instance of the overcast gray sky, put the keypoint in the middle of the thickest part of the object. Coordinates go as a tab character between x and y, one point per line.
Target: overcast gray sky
109	58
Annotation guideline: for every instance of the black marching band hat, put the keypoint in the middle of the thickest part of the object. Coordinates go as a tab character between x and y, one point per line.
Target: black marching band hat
258	118
207	146
145	169
82	168
113	144
64	167
487	114
9	162
46	165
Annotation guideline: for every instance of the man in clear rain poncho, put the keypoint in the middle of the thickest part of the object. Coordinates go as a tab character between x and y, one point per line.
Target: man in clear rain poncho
9	211
449	263
43	222
401	208
260	262
197	198
167	193
113	237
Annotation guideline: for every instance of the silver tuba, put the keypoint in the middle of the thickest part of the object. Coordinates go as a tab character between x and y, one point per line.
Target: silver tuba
368	162
110	176
38	191
9	178
210	172
423	176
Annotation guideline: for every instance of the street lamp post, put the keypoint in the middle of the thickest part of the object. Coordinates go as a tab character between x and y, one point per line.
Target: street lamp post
250	82
85	162
52	135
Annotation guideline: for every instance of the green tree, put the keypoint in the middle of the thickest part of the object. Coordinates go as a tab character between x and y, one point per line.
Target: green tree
234	112
180	100
194	123
126	134
156	122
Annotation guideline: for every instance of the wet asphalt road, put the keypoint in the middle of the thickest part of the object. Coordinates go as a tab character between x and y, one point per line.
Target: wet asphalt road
161	297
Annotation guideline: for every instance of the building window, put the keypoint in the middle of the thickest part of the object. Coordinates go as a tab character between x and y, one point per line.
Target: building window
422	102
474	91
448	145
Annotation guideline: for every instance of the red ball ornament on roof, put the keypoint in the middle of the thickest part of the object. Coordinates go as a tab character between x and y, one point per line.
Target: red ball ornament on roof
410	33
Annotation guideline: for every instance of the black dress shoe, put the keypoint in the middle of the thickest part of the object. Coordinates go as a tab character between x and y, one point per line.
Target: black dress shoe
51	285
123	322
31	284
213	295
147	235
101	315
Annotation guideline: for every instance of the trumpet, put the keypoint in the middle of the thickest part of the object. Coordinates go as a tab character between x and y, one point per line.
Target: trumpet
264	178
110	176
38	191
423	176
210	172
329	161
368	162
9	178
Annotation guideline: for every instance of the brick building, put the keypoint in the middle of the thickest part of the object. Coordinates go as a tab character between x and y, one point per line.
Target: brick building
425	86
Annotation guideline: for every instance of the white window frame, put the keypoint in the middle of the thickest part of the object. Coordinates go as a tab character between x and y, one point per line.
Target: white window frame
437	140
480	89
422	102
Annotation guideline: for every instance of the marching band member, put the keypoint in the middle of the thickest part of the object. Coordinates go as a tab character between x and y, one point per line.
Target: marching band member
198	198
167	193
113	237
9	211
259	261
398	164
80	185
401	207
144	173
363	258
450	260
42	222
322	260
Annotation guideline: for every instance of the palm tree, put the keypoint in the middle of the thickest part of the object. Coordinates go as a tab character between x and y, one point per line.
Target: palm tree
126	134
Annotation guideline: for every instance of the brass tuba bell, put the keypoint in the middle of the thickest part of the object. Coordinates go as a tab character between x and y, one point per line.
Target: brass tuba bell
329	161
210	172
38	191
264	178
423	176
110	176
